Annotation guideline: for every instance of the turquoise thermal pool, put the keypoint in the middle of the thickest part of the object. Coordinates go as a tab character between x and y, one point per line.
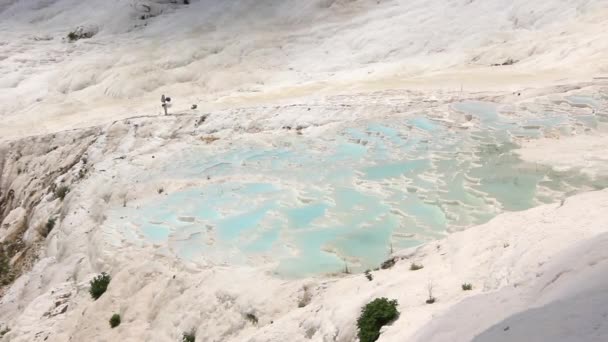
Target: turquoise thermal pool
307	205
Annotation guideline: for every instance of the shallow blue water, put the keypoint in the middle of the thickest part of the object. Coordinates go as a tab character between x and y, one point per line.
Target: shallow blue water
304	216
320	204
424	124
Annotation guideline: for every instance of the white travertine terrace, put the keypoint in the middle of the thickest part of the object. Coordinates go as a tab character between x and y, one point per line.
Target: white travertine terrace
325	134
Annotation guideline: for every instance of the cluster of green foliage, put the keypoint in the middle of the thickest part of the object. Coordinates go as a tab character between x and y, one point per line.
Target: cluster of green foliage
79	34
6	273
61	191
368	275
50	224
115	320
251	318
374	316
416	267
305	298
467	287
188	337
99	285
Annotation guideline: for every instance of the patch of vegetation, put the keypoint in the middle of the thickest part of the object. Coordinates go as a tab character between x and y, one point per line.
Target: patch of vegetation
160	190
374	316
72	36
388	263
431	299
251	318
467	287
368	275
6	273
306	297
50	224
209	139
99	285
509	61
115	320
80	33
61	191
4	331
188	337
200	121
415	267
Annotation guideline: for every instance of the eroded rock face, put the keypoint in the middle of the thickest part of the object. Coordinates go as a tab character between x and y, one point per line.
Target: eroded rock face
31	172
13	225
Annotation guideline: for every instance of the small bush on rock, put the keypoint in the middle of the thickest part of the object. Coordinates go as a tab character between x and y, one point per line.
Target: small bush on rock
50	224
374	316
99	285
188	337
306	297
81	33
429	288
251	318
115	320
416	267
467	287
368	275
61	191
389	263
6	273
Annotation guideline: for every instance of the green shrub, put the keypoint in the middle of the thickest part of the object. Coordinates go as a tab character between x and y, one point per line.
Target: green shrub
80	33
61	191
388	263
429	288
305	298
72	36
467	287
6	273
251	318
5	265
115	320
188	337
99	285
368	275
374	316
50	224
416	267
